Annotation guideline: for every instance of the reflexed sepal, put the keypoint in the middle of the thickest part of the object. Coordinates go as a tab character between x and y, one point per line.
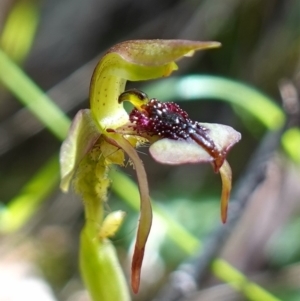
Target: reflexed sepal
81	138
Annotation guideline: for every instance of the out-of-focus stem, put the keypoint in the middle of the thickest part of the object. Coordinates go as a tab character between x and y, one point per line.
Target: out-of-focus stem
100	269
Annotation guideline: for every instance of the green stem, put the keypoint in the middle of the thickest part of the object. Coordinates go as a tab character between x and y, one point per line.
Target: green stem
33	98
93	217
101	270
224	271
22	207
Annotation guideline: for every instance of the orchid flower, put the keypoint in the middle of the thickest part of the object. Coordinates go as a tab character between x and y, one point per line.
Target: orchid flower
99	137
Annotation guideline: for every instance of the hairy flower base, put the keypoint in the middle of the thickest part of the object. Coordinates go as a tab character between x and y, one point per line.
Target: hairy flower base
168	120
155	120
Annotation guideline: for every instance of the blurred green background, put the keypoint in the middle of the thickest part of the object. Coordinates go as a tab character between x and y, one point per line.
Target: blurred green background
57	43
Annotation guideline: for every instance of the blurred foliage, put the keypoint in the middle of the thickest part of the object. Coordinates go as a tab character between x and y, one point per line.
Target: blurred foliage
19	29
52	39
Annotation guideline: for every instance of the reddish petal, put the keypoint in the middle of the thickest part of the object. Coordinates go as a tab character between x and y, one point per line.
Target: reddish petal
145	212
136	266
226	176
181	151
224	136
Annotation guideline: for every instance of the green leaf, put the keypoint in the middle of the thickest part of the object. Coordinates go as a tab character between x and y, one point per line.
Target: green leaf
291	143
19	30
22	207
33	98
